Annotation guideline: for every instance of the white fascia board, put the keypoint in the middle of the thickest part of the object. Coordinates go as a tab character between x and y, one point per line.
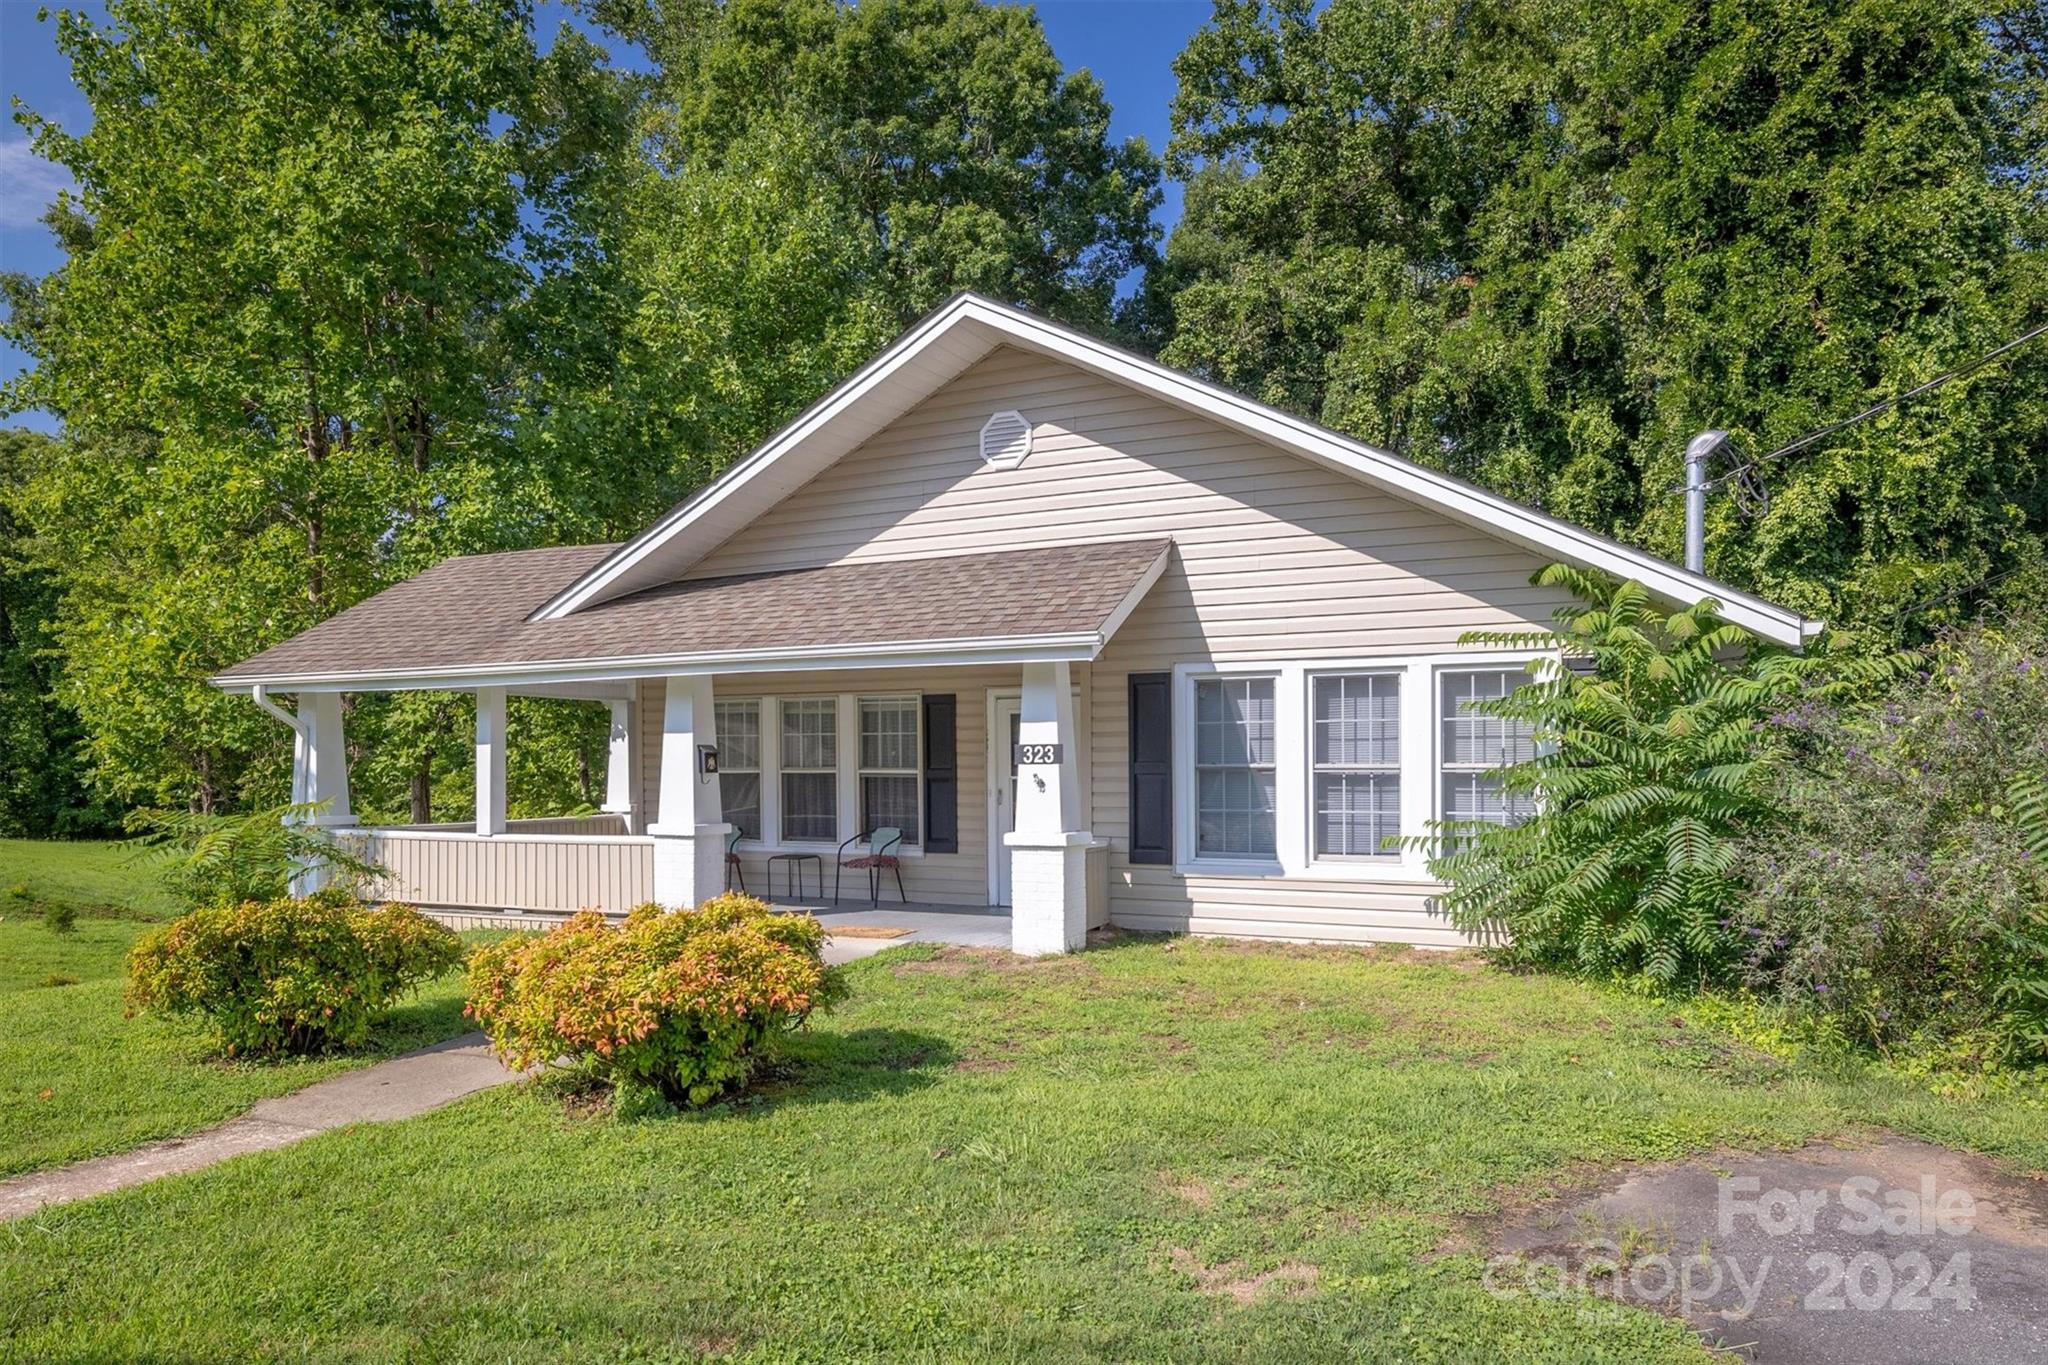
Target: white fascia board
1072	647
591	586
1429	488
1123	610
1473	506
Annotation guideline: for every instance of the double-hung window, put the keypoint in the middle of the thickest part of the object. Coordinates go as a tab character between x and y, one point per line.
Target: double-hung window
739	765
1355	754
1234	754
810	770
1476	747
888	765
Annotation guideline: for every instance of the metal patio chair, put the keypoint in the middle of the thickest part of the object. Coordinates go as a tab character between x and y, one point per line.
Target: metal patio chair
882	845
733	871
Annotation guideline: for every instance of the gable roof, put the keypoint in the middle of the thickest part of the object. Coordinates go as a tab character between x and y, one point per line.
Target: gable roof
967	328
465	621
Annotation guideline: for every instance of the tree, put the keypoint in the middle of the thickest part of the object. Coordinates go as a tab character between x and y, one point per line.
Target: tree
276	342
42	787
817	177
1539	243
1648	763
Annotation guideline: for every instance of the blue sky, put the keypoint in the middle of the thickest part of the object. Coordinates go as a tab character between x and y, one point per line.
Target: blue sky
1129	45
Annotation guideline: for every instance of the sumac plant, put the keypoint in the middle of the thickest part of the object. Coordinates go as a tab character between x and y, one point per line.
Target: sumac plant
1648	732
682	1003
288	975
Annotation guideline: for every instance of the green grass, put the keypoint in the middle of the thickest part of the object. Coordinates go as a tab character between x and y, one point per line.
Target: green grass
980	1159
77	1078
82	873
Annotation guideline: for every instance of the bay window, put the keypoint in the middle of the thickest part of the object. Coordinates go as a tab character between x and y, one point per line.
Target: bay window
1234	760
1477	746
810	770
1355	758
889	782
739	765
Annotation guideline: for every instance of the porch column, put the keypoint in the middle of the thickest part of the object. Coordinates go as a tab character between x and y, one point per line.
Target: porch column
1049	848
622	764
490	760
689	837
320	776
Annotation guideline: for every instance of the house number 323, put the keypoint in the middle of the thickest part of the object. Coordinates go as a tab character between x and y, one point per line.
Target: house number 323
1024	755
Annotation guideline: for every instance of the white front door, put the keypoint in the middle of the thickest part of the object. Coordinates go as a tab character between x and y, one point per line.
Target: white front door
1002	786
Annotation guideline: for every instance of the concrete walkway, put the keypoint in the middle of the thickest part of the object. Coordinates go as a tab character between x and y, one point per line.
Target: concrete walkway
397	1089
400	1088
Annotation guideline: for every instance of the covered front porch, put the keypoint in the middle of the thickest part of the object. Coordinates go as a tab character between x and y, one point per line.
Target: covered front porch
767	732
772	784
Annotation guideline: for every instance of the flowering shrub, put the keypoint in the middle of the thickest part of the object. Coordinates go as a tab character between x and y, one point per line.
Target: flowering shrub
1904	894
288	975
682	1004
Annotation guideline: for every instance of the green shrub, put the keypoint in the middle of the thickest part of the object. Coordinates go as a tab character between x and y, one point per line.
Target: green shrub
1645	771
220	860
1906	892
60	917
670	1008
288	975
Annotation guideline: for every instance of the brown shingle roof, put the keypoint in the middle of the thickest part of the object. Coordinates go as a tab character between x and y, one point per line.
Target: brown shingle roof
471	612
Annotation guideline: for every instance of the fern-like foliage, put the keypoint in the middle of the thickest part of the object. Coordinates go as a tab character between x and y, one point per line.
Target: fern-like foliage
2028	796
1646	768
213	860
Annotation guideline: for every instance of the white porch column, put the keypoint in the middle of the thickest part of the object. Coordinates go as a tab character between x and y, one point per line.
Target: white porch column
689	837
320	775
1049	848
622	765
490	760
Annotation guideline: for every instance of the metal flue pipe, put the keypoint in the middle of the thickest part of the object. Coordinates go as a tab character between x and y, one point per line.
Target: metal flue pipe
1697	452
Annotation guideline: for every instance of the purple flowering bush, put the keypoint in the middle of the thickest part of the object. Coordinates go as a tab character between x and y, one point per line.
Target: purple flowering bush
1903	893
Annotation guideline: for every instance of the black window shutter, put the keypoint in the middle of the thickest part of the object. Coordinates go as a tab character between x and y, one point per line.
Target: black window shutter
941	776
1151	725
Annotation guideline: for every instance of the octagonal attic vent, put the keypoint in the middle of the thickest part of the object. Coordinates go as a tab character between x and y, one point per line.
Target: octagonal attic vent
1005	439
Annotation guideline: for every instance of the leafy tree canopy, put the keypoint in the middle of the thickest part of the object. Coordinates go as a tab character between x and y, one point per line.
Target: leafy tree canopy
1539	243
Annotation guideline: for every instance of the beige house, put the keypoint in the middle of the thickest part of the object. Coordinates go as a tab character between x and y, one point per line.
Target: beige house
1100	642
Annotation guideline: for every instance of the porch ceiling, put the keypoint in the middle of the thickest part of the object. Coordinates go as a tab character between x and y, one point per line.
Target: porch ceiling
465	623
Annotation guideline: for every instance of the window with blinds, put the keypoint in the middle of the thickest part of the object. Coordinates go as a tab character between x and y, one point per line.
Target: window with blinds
739	765
1477	746
1234	755
888	765
810	770
1355	759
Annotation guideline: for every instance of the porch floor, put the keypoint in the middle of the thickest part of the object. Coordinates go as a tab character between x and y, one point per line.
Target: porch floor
963	925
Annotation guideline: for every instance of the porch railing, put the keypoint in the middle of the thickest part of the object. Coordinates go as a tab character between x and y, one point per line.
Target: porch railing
540	865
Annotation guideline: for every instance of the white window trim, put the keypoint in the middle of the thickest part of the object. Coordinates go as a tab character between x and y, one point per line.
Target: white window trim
1187	784
1294	777
838	773
1403	681
916	773
847	744
1437	707
761	757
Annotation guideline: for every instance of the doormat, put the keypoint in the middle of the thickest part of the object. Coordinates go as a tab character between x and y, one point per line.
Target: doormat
867	931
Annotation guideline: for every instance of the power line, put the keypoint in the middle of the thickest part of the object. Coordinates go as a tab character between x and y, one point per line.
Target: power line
1875	409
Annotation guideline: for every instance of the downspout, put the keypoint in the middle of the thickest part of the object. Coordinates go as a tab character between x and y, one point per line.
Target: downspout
301	739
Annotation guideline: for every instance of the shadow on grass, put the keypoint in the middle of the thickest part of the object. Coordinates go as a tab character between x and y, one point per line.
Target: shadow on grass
823	1066
415	1024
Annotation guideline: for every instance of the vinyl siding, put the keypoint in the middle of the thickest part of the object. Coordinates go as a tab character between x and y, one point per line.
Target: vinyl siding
1276	559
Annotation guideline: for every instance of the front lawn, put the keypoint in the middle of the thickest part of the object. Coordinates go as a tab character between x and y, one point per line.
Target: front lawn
1156	1150
77	1078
